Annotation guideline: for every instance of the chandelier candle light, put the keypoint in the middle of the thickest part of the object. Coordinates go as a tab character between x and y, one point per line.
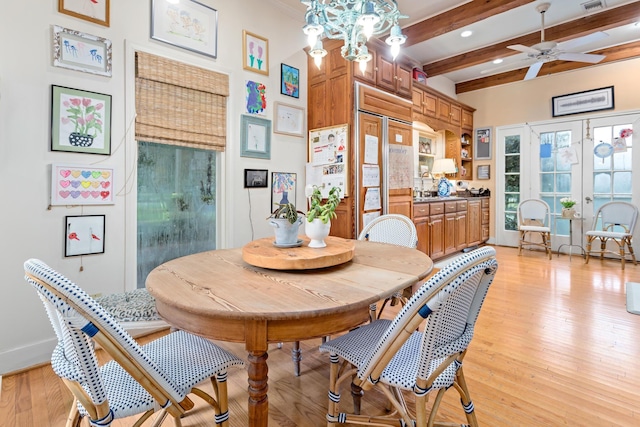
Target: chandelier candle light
353	21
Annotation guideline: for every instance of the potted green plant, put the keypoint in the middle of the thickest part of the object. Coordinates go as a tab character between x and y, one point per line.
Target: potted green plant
286	221
320	214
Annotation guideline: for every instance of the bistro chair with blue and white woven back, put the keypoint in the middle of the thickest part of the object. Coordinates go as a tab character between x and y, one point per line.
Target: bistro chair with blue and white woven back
393	357
140	379
613	222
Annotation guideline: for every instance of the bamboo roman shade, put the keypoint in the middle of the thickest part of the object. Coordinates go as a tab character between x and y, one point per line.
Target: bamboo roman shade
180	104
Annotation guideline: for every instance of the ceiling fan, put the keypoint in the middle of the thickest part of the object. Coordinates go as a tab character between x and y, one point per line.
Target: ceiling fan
547	51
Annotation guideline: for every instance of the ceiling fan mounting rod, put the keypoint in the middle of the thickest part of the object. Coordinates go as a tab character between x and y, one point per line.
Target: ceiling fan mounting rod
542	8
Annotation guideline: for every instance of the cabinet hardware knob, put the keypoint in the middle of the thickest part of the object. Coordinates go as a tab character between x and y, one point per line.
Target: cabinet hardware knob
395	77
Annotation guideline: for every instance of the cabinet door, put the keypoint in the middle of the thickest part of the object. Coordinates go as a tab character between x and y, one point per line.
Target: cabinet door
403	80
417	98
385	74
340	109
422	228
461	230
467	119
429	104
456	114
317	105
450	233
444	110
436	244
474	222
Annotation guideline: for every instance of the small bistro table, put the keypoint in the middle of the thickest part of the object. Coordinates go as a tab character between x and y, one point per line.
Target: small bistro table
571	245
216	294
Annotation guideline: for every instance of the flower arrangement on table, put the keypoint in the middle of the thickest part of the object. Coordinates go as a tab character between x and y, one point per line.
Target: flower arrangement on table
568	202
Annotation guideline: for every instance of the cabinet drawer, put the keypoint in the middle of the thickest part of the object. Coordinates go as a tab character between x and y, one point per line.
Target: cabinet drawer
485	202
420	210
461	206
485	216
450	207
436	208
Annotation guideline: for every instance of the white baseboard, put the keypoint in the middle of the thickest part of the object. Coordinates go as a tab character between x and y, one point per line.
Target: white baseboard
21	358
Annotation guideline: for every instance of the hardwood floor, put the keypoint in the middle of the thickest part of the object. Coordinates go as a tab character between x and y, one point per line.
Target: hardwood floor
554	345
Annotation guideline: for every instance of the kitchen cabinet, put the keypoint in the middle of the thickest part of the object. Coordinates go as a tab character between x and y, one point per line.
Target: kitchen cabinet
446	226
394	76
467	120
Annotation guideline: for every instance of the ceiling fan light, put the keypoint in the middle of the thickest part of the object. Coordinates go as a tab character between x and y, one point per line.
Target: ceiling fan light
498	61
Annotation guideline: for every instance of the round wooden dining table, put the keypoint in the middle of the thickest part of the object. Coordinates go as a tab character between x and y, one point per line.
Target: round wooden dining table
217	295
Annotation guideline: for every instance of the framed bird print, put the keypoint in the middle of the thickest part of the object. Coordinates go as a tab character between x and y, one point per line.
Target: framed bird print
83	235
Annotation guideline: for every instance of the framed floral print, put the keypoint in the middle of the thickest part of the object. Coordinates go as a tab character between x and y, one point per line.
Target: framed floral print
255	53
80	121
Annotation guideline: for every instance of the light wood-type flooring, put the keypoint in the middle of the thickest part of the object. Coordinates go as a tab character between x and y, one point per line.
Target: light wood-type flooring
554	346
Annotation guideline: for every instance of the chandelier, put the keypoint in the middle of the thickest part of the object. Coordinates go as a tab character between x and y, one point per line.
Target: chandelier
353	21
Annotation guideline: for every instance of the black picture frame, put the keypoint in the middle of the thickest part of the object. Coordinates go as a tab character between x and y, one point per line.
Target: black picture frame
583	102
84	235
289	81
256	178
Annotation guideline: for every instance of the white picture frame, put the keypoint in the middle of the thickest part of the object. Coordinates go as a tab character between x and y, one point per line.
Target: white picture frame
289	119
81	52
73	184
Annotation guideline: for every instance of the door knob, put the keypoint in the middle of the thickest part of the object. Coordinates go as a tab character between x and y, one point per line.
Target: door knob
588	199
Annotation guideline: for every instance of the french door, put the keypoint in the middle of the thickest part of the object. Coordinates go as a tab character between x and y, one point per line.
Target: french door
572	158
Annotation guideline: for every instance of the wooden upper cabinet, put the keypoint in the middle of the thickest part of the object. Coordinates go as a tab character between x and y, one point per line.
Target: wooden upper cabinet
394	76
317	105
369	75
403	80
444	110
455	114
385	73
336	64
429	104
467	119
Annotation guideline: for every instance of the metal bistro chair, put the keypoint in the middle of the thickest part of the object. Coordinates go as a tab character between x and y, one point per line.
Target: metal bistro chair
393	358
534	219
139	379
615	222
396	230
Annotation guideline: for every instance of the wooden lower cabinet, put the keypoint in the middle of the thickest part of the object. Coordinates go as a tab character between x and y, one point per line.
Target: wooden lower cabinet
451	226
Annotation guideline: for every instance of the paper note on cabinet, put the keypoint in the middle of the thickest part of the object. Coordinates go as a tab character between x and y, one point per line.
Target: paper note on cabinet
371	149
372	199
370	176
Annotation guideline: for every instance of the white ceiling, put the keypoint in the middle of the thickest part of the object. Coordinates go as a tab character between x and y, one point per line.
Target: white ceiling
498	28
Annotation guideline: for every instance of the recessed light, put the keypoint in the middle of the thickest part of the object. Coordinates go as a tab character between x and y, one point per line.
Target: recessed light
497	61
466	33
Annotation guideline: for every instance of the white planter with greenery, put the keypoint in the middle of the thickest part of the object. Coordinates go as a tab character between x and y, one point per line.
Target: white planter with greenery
318	224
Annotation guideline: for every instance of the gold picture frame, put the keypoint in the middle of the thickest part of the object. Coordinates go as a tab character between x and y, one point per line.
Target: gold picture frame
96	11
255	53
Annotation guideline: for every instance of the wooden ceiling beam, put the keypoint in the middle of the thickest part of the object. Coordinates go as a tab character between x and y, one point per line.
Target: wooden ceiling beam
615	53
456	18
602	21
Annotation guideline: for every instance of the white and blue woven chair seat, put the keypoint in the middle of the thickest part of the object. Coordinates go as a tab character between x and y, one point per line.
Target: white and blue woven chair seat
191	361
132	306
608	234
535	228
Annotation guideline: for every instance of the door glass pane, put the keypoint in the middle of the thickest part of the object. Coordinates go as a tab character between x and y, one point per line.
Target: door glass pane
613	175
512	181
512	164
176	204
512	145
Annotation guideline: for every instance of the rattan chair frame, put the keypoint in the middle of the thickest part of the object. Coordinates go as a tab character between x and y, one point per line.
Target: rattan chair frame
617	220
534	219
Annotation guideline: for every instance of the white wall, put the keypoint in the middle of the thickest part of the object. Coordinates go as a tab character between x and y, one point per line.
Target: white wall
28	229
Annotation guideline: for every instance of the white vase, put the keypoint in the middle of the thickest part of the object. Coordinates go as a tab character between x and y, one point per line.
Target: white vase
568	212
317	231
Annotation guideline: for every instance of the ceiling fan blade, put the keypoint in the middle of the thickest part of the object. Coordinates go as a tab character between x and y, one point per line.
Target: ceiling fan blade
589	38
534	69
581	57
523	48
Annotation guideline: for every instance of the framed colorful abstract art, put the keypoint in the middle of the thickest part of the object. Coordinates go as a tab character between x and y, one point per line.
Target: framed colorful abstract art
81	185
256	98
255	53
290	81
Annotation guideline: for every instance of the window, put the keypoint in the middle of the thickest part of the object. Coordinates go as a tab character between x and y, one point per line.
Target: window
555	175
176	204
512	181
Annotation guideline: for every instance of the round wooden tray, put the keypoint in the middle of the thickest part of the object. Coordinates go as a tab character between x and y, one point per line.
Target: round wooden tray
262	253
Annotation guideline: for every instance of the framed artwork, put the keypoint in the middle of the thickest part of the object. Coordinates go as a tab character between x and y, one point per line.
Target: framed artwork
482	143
81	52
283	188
425	145
256	178
188	24
256	98
289	81
255	53
81	185
80	121
255	137
289	119
96	11
583	102
484	172
84	235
